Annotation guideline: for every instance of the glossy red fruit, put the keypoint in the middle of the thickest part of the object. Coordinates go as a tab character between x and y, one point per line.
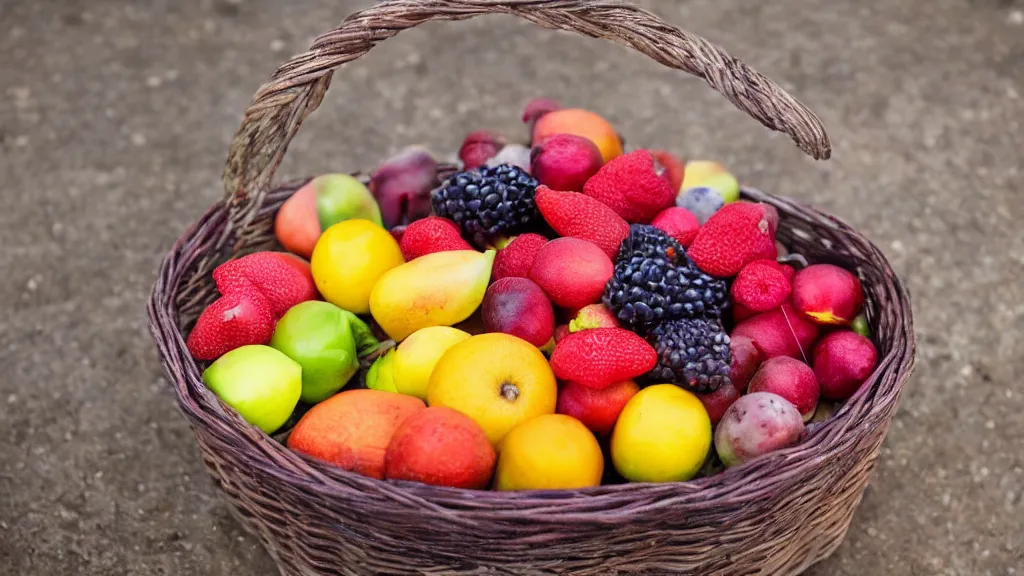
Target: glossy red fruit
790	379
746	359
827	294
780	332
717	402
517	306
402	186
572	272
596	409
600	357
576	215
565	162
843	360
237	319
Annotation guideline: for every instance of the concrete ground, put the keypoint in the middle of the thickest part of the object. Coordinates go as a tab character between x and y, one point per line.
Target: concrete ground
115	119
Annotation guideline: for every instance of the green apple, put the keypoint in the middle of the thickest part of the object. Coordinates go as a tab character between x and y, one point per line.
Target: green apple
381	375
318	335
365	340
342	197
260	383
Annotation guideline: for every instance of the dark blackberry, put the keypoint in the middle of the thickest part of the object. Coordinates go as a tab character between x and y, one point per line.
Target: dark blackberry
692	353
655	281
489	204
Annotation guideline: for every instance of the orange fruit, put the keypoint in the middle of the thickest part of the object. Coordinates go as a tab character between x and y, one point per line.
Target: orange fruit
496	379
581	123
550	452
352	429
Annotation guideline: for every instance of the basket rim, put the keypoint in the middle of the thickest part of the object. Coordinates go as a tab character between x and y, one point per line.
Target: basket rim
742	483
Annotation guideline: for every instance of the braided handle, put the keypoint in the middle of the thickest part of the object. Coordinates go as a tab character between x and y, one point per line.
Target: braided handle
298	86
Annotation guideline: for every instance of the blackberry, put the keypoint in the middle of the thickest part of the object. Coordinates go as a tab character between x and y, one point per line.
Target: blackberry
692	353
489	204
655	281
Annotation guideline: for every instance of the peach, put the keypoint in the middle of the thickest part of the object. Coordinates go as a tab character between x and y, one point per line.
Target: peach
565	162
597	409
519	307
572	272
780	332
756	424
352	429
581	123
843	360
790	379
296	224
442	447
827	294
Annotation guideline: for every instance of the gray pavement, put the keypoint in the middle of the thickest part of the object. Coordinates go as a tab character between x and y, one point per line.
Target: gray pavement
115	119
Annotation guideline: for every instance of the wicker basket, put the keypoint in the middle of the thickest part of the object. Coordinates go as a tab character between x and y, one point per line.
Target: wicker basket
777	514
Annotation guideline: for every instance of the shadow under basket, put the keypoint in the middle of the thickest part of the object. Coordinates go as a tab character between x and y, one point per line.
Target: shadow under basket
777	514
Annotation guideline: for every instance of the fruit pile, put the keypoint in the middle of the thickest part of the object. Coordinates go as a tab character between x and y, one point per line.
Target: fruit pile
532	316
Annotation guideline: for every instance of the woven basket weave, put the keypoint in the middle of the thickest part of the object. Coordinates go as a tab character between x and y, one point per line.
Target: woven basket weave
777	514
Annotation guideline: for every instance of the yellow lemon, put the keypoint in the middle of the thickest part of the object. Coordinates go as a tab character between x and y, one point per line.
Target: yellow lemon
550	452
417	355
349	258
496	379
662	435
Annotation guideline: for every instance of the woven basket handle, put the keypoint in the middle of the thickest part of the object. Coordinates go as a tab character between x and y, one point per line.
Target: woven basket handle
298	86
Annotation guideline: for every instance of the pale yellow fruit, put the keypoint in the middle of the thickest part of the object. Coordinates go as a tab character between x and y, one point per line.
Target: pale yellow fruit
439	289
349	259
418	354
662	435
549	452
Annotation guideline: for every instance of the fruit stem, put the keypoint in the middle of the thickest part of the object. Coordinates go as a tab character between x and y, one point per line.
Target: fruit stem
509	391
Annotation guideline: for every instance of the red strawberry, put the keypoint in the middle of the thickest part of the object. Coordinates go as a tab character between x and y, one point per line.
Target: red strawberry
601	357
580	216
237	319
479	147
283	279
517	257
762	285
429	235
739	233
675	167
680	224
633	185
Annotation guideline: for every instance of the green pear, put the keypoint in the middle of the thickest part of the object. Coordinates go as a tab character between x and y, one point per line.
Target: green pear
381	374
260	383
318	335
342	197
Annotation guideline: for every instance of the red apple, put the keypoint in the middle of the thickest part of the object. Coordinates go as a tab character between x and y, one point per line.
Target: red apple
780	332
565	162
843	360
519	307
746	358
827	294
572	272
719	401
596	409
790	379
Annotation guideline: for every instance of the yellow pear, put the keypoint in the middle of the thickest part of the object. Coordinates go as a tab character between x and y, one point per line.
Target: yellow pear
417	355
439	289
